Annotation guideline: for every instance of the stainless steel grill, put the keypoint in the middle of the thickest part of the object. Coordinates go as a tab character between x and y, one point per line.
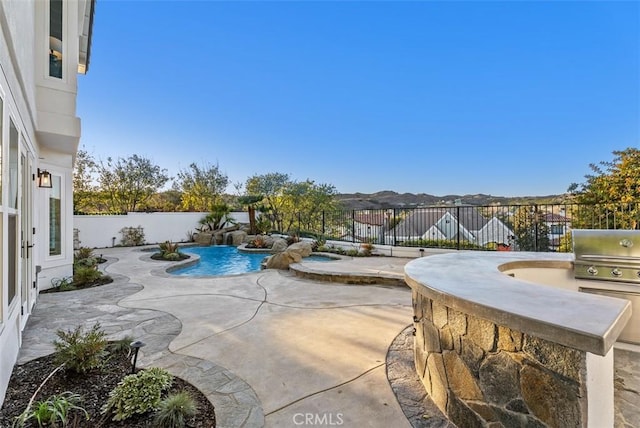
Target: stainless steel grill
607	255
613	258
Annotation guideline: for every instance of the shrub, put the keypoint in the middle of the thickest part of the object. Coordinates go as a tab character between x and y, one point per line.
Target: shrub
121	346
435	243
367	249
83	253
53	410
319	244
85	274
175	410
167	248
172	257
63	284
87	262
132	236
138	393
79	351
263	224
352	252
258	242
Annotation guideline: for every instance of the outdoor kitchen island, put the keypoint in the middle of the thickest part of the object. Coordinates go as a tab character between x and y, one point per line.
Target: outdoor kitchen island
491	347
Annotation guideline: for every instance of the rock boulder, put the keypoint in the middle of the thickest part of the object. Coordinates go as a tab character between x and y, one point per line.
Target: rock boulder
279	245
204	238
235	238
303	248
282	260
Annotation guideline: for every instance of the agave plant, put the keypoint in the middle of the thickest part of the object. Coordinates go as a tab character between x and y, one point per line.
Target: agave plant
168	247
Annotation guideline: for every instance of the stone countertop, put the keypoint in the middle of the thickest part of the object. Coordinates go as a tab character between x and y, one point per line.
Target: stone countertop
473	283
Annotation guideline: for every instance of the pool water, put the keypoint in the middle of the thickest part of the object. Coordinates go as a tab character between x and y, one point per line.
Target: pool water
226	260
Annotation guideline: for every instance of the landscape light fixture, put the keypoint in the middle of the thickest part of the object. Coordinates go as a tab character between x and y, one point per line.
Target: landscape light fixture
136	347
44	179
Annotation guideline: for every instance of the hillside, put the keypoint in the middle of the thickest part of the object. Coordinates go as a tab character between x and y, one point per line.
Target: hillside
390	199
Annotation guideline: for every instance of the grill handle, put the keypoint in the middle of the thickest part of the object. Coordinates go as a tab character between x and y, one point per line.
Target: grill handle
603	258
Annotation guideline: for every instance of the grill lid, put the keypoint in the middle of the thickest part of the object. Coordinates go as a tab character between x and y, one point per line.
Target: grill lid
612	255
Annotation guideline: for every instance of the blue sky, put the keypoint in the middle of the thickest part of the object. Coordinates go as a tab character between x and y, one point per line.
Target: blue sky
505	98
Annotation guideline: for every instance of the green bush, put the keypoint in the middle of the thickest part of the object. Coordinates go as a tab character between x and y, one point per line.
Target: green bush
121	346
87	262
318	243
442	243
85	275
175	410
173	257
138	393
63	284
352	252
53	410
83	253
81	352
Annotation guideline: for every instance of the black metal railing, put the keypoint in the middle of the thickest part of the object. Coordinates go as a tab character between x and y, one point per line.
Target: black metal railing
536	227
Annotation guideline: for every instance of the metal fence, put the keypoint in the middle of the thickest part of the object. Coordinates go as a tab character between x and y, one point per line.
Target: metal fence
537	227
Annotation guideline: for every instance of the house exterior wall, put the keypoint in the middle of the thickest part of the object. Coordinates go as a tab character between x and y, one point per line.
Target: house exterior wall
40	131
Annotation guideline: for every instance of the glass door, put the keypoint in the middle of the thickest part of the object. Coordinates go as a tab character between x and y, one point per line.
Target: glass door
27	284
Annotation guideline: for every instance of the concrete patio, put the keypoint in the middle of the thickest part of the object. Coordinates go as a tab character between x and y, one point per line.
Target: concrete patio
267	348
270	348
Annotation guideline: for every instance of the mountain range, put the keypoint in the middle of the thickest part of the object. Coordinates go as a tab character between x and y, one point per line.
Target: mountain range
391	199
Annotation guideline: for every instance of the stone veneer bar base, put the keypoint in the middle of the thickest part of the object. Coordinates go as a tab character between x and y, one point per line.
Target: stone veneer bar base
483	374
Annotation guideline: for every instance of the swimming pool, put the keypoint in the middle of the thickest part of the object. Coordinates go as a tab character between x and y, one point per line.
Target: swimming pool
226	260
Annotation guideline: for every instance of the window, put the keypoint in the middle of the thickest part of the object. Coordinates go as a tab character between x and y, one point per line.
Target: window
55	38
1	145
13	257
55	216
557	229
13	166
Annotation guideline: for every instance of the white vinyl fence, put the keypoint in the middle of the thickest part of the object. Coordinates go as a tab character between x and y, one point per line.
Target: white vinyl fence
100	231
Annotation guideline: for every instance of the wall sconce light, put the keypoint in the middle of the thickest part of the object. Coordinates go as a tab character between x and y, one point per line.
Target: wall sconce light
44	178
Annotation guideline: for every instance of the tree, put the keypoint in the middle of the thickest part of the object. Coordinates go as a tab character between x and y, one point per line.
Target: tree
166	201
250	202
531	232
201	186
269	187
84	189
612	193
129	183
291	205
304	202
217	218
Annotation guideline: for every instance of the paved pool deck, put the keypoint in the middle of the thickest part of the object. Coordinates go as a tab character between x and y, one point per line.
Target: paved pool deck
274	348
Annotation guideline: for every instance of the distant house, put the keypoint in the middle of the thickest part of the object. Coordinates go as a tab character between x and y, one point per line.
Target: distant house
558	225
368	226
450	224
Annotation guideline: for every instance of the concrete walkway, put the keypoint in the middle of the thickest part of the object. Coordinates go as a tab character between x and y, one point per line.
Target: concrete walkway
268	348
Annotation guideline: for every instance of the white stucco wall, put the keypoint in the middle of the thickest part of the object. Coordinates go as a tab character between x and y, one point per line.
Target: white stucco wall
43	111
98	231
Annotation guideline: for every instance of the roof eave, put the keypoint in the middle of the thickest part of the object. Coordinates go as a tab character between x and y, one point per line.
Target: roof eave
84	60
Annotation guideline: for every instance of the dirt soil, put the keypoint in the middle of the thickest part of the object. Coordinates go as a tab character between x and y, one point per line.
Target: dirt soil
94	387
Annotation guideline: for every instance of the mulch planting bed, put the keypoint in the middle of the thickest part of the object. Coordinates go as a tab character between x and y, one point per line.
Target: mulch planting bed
94	387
